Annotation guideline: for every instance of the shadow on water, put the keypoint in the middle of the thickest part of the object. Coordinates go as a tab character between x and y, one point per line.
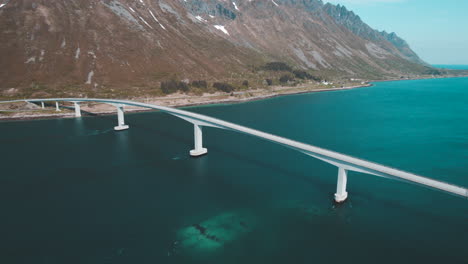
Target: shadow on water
225	152
317	182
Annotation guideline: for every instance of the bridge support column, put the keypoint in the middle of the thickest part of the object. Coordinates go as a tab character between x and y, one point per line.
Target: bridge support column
57	107
121	121
199	149
42	105
77	109
341	195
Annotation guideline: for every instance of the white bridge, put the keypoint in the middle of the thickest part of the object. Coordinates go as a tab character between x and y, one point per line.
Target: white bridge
343	162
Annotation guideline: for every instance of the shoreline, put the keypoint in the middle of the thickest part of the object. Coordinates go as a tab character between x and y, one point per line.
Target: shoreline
203	103
264	97
284	92
419	78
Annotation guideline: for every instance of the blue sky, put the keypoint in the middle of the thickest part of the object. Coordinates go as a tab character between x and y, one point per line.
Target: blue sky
436	29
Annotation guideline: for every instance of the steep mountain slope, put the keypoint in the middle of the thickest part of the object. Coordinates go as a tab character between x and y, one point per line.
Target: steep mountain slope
354	23
73	47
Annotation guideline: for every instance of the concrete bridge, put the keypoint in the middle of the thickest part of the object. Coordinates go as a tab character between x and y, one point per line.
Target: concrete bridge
343	162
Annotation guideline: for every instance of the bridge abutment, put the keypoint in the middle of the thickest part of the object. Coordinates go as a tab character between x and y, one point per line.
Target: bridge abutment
57	108
120	119
198	137
341	195
42	105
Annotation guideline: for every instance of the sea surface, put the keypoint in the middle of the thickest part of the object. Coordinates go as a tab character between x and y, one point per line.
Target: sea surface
452	67
75	191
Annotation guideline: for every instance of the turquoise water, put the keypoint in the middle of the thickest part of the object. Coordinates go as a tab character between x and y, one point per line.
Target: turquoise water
452	67
75	191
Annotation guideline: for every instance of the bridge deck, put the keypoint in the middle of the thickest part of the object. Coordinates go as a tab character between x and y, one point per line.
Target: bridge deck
334	158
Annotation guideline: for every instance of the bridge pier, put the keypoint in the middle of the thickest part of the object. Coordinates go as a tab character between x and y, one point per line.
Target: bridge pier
57	107
341	195
42	105
121	121
77	109
198	137
345	163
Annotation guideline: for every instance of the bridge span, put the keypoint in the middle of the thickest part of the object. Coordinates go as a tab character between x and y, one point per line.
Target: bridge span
344	163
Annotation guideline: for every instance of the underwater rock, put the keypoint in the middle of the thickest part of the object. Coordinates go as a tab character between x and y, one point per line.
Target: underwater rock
214	233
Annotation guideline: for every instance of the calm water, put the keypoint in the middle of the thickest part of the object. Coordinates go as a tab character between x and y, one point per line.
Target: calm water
453	67
75	191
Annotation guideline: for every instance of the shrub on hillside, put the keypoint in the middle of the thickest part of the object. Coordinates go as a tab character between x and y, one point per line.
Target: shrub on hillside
225	12
269	82
302	74
225	87
173	86
200	84
183	86
433	72
305	75
169	87
277	66
245	83
315	78
286	78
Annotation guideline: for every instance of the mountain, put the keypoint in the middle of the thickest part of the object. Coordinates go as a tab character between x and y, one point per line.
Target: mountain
354	23
128	47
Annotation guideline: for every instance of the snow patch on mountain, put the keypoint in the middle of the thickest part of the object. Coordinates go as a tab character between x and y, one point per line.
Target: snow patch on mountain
222	28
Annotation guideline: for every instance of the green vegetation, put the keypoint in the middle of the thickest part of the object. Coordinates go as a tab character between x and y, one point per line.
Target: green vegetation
225	12
258	75
288	74
303	75
286	78
173	86
277	66
198	87
200	84
433	71
225	87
